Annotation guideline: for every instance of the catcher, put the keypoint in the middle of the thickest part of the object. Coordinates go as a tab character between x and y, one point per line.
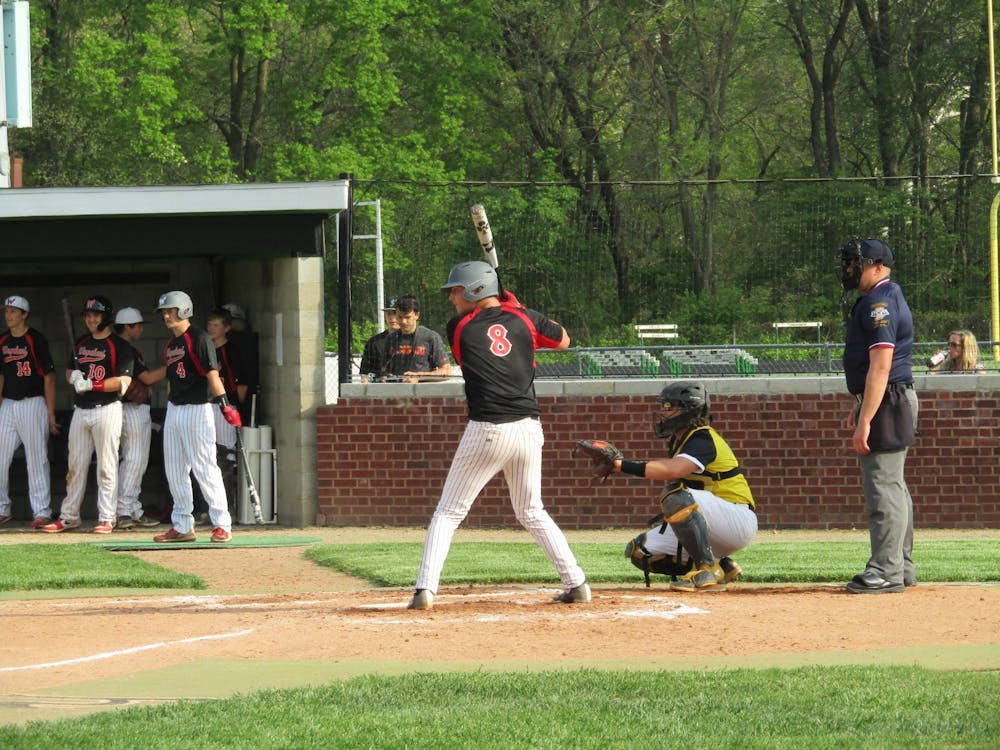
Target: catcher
708	511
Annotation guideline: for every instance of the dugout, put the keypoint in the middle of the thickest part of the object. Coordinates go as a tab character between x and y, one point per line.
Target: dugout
261	246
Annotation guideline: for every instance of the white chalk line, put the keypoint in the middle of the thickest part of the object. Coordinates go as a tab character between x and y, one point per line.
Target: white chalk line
127	651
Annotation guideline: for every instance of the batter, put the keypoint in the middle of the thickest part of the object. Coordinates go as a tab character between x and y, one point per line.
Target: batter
28	409
192	370
103	372
495	343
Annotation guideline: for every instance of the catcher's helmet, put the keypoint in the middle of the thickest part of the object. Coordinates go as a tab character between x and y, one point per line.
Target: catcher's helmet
857	253
180	300
690	397
477	277
101	305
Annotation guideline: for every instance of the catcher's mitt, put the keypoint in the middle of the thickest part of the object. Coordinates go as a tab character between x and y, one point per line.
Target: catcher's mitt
602	457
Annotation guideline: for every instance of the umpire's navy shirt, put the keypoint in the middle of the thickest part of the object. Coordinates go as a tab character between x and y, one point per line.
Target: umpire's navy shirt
879	318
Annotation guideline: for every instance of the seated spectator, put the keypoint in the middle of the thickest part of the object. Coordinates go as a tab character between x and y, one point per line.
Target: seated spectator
962	355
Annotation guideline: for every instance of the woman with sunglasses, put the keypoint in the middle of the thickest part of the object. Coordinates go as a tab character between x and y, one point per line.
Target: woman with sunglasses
962	355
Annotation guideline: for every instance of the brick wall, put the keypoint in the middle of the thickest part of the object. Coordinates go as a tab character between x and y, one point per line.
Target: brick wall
382	460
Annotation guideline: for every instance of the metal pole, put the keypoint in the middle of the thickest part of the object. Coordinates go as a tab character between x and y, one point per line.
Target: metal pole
994	275
345	239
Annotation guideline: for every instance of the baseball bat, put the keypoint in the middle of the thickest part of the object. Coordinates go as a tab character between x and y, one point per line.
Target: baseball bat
258	516
68	321
482	225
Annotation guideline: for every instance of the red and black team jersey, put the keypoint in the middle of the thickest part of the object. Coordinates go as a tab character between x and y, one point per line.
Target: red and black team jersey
495	347
26	362
230	364
189	357
101	359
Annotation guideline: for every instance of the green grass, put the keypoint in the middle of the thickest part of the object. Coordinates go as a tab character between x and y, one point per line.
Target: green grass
32	567
763	562
838	707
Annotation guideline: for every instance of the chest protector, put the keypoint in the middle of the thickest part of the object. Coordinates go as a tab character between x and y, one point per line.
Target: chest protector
722	476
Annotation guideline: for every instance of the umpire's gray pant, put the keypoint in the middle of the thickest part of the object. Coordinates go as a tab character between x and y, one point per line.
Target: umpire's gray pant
890	511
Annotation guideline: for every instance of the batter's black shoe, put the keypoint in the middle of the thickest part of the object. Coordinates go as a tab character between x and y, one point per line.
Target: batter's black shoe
577	595
871	582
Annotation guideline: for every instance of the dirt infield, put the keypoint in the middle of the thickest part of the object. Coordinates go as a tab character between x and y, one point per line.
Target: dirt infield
271	618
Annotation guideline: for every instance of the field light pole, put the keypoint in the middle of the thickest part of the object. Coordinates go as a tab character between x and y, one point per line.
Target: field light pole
994	274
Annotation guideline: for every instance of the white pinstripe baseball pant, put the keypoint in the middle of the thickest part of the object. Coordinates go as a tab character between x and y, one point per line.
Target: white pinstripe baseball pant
26	422
731	527
137	434
98	429
189	447
485	449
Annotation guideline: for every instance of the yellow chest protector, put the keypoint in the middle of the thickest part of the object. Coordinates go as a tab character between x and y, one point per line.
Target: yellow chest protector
722	475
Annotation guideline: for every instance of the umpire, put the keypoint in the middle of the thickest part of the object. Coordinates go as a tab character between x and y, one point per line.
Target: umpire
878	366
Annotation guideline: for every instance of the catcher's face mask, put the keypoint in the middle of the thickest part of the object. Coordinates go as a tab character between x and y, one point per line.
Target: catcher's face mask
850	265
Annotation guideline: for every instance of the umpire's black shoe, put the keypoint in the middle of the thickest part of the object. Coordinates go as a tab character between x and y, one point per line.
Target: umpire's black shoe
871	582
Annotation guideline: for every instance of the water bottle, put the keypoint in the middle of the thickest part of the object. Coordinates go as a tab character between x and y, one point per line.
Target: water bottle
939	356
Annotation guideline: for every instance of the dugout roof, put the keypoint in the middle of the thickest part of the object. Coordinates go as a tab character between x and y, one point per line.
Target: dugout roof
170	221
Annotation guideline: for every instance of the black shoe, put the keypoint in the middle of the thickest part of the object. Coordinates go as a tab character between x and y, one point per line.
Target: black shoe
870	582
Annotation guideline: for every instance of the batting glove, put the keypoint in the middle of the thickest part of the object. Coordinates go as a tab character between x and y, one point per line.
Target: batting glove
232	416
75	376
83	385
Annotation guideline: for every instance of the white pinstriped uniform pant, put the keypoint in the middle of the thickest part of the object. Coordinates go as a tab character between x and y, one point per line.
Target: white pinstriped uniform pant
26	422
137	434
189	448
98	429
731	527
485	449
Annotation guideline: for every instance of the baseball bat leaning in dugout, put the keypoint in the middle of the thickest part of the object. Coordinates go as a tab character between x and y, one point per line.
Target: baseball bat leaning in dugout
258	516
482	225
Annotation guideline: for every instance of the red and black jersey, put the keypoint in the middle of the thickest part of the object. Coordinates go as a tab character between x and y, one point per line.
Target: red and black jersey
26	362
230	370
189	357
101	359
495	347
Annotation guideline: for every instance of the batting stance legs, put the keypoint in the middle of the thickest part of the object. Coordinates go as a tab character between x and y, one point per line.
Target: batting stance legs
26	421
189	448
485	449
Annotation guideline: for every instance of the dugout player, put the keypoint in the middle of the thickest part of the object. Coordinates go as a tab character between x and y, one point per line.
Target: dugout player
495	345
137	426
192	370
708	509
878	366
218	325
374	357
102	372
27	409
414	351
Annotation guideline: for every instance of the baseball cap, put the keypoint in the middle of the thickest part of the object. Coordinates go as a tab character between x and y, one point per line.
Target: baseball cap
390	304
877	250
129	316
16	300
235	311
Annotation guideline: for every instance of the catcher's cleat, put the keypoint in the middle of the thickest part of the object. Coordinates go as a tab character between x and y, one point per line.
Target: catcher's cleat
705	578
576	595
731	569
422	599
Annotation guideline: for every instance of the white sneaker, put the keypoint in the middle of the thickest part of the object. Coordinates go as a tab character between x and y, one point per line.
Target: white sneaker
422	599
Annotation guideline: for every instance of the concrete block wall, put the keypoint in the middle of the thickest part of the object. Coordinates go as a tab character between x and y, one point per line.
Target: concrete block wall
383	452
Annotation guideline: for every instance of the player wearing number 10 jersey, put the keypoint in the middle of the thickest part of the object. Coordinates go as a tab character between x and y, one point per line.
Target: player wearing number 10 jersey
494	342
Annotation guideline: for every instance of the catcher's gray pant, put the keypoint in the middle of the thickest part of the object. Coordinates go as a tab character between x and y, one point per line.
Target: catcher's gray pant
93	430
890	510
485	449
731	527
26	422
137	434
189	448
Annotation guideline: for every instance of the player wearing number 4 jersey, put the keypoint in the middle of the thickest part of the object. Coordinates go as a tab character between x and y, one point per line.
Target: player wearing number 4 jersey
192	370
103	372
494	342
27	409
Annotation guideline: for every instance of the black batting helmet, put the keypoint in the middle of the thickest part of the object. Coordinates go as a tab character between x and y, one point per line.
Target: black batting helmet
101	305
692	400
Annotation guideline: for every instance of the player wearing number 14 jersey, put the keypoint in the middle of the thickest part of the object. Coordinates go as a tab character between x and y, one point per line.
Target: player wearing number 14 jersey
494	342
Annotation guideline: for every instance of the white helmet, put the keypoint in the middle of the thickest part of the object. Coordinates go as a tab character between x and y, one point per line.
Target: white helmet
477	277
180	300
